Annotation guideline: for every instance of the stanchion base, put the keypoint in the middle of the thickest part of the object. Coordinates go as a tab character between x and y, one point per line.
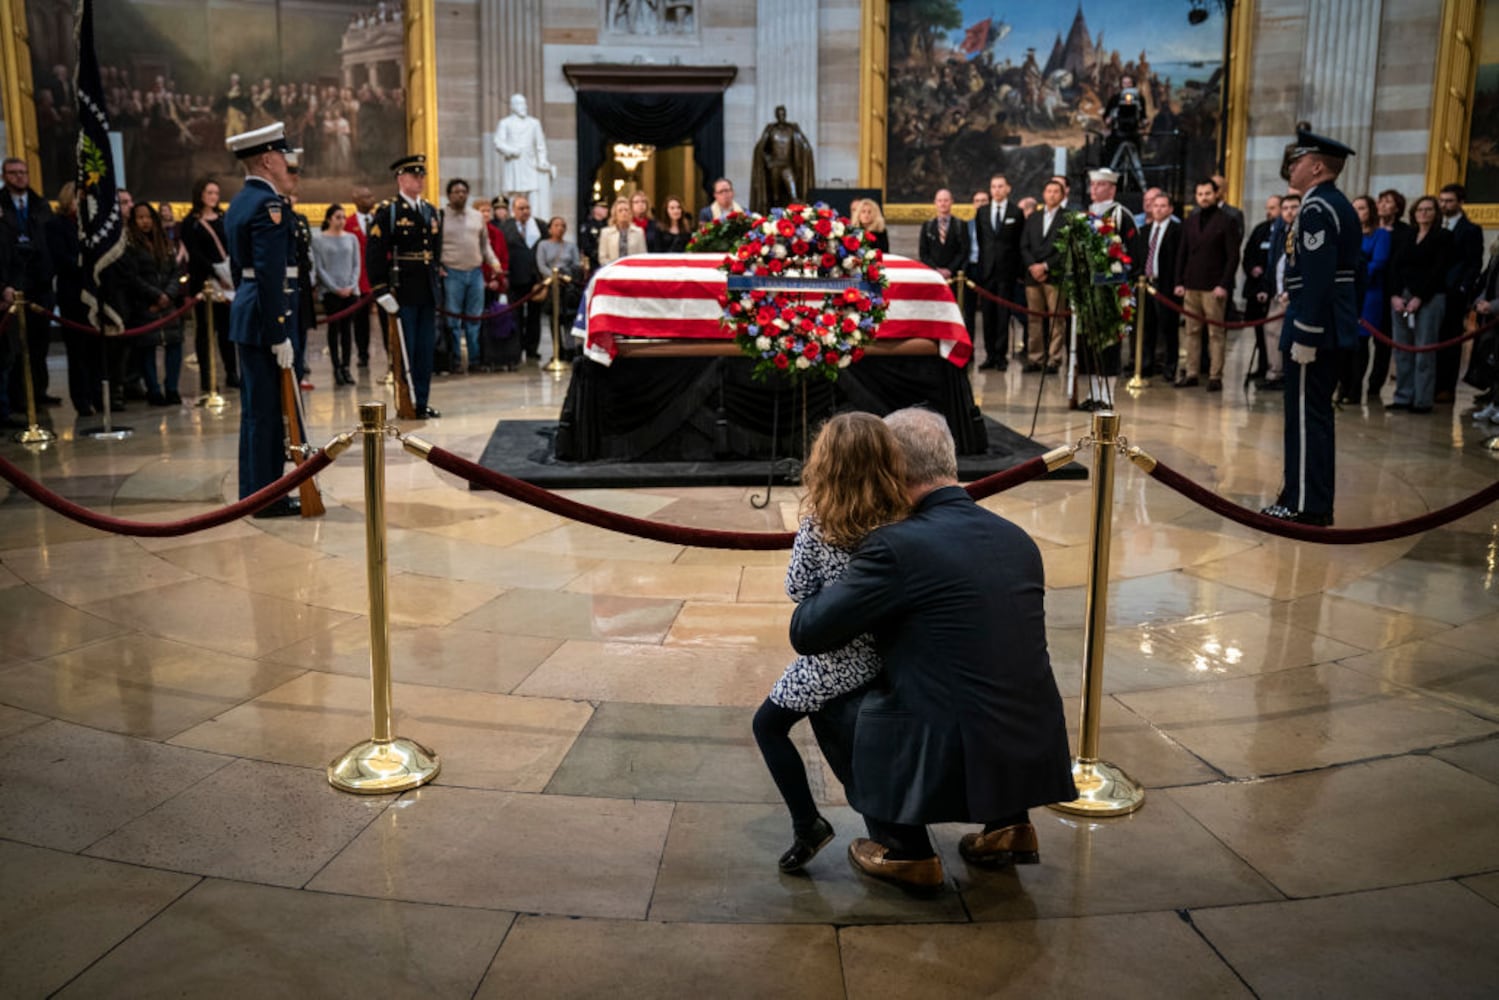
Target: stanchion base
1491	444
555	367
1137	383
214	403
107	433
1102	790
34	435
377	767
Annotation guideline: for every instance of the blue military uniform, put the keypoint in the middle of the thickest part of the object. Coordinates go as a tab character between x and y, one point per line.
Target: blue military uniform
1324	250
403	250
261	239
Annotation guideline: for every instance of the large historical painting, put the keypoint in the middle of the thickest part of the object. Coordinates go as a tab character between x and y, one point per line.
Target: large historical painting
179	77
976	86
1483	141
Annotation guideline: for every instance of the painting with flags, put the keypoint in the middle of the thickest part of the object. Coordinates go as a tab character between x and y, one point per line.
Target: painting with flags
101	226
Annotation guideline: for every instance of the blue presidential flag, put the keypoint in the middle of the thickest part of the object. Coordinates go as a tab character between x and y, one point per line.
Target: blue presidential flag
101	228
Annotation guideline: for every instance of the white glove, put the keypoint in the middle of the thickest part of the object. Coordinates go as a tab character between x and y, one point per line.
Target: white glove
388	303
1303	354
284	353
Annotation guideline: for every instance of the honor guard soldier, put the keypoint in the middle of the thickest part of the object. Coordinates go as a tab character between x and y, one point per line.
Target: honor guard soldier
306	317
262	254
402	250
1323	263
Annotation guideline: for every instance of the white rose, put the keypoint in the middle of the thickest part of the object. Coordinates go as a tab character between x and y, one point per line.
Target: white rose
829	339
769	228
780	250
783	324
845	361
762	343
802	362
764	249
1116	267
838	229
850	262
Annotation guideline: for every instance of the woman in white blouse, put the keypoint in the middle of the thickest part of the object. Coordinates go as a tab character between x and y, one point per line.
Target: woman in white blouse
621	238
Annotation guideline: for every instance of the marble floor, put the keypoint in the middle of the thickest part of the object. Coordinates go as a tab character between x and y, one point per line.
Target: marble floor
1318	729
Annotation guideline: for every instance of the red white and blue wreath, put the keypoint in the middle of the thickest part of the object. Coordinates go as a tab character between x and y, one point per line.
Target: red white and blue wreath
806	292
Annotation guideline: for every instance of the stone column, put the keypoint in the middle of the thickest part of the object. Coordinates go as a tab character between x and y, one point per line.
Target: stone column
786	37
509	63
1339	65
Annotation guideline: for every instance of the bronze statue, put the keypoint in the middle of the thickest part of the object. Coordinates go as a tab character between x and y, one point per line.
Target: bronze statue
782	170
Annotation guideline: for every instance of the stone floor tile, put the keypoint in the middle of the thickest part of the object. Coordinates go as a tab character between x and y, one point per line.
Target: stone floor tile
547	854
763	585
244	624
1159	598
1367	626
139	685
440	657
1144	955
1142	551
460	559
241	560
660	675
751	626
80	572
1463	677
1363	826
584	541
1299	719
225	938
720	866
1478	636
671	581
251	821
484	740
575	616
1156	859
648	959
1285	570
1434	940
35	625
1432	590
518	522
66	786
343	585
1486	886
678	753
1146	753
13	720
1480	758
60	912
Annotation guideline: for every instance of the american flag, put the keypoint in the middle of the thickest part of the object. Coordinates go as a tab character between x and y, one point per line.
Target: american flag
675	297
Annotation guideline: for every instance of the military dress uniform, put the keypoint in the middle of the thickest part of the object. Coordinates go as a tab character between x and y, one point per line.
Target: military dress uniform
403	250
261	240
1324	251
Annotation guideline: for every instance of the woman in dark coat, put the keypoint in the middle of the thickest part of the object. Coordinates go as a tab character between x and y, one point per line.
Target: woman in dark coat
1418	300
203	239
154	288
84	350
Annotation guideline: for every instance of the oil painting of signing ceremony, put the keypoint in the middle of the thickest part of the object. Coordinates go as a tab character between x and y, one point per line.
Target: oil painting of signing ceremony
761	498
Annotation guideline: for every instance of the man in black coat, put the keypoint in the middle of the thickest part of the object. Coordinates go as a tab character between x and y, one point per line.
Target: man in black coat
1045	341
1462	283
23	230
999	225
1258	281
965	723
944	238
1156	247
523	277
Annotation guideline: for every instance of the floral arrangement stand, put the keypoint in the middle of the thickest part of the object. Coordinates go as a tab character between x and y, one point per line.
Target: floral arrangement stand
1095	280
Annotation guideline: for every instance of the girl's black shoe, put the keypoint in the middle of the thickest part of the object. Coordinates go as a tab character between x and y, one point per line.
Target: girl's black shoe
806	846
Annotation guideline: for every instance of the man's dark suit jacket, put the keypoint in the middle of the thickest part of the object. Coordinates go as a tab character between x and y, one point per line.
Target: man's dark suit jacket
1467	265
1038	247
523	273
1166	251
952	255
30	259
965	722
999	249
1257	254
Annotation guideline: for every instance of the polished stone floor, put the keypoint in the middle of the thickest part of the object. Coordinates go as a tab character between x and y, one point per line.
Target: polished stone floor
1318	729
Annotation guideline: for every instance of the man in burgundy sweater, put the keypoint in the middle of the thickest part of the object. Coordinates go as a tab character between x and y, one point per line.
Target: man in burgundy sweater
1205	268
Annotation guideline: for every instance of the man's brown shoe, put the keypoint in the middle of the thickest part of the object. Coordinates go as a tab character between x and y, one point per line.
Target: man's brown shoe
923	876
1010	845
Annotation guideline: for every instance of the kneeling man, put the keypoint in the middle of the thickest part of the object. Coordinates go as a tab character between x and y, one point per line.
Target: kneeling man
965	724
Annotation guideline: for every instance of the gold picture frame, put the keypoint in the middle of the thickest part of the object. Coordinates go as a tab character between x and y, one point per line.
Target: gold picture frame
420	35
1453	91
874	49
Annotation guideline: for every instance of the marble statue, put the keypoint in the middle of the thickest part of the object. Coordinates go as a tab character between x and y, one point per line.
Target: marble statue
523	147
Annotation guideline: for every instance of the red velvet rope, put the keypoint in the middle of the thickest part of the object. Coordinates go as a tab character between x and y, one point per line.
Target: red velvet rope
676	534
151	327
166	529
1017	307
363	302
1238	325
497	311
1384	338
1169	477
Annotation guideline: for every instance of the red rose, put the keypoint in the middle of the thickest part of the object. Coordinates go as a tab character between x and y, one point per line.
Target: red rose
776	266
829	261
786	228
827	320
736	309
850	295
805	326
799	247
758	295
737	267
824	227
850	324
797	208
782	361
824	213
831	357
765	316
811	351
856	354
870	237
872	272
723	300
850	243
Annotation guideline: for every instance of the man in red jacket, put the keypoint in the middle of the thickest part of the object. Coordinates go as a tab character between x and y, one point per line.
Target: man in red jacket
1205	270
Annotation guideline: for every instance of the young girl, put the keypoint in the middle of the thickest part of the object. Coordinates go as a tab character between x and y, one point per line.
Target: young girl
855	480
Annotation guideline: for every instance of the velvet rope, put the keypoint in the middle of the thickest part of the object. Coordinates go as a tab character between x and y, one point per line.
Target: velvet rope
1169	477
258	500
497	311
677	534
1384	338
151	327
363	302
1199	317
1015	306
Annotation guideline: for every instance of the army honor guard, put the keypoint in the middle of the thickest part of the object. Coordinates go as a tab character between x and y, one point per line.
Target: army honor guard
1323	258
403	252
262	253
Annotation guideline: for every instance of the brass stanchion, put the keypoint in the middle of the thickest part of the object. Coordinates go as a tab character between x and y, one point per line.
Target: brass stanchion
1138	381
556	366
1102	788
34	434
387	763
212	402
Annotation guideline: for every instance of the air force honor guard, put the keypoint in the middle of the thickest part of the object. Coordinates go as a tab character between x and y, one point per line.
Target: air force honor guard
1323	251
403	250
262	253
